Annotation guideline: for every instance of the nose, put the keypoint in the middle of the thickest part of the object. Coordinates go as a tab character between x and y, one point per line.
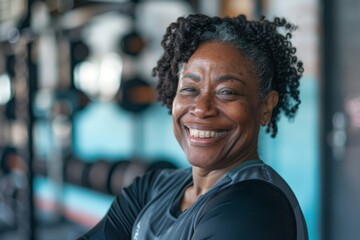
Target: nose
204	106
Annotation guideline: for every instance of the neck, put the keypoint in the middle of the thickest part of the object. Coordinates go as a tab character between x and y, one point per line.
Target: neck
202	182
204	179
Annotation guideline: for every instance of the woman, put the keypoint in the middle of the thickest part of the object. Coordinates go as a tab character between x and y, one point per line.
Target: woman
221	78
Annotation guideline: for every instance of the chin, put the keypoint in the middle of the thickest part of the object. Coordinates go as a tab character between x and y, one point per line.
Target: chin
197	162
201	163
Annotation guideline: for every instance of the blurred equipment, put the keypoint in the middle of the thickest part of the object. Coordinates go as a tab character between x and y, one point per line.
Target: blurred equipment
97	175
110	176
340	125
99	77
136	95
132	43
59	58
6	91
75	171
12	186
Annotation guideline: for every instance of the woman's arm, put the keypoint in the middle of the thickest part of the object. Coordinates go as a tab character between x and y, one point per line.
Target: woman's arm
118	222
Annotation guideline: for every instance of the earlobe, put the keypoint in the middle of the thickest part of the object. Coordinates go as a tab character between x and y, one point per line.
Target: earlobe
269	104
264	122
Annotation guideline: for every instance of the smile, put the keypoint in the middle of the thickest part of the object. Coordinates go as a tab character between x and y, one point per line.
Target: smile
205	133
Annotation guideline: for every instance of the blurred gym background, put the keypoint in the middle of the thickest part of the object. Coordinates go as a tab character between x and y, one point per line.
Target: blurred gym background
79	120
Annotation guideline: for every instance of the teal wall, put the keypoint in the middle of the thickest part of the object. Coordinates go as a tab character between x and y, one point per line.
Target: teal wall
294	153
103	129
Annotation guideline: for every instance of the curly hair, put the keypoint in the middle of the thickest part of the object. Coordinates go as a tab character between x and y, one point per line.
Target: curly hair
265	43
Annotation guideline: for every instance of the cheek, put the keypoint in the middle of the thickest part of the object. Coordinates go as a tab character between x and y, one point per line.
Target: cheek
176	129
243	115
175	106
178	110
237	112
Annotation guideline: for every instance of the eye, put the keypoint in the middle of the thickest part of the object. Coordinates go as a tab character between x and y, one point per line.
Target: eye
188	91
227	94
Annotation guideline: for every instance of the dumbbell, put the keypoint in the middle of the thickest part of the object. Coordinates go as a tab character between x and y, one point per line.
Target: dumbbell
75	171
97	176
10	160
123	173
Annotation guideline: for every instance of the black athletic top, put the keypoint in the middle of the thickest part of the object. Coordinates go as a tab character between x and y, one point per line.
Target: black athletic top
250	202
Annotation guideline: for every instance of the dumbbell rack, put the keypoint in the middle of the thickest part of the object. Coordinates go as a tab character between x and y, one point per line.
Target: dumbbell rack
17	165
101	176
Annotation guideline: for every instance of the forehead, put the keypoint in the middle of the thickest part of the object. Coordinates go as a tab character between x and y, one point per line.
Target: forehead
216	57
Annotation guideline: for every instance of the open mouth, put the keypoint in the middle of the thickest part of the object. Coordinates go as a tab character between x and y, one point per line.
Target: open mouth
205	133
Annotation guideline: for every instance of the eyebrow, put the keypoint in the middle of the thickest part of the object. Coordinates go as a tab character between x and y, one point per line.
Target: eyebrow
222	78
230	77
191	76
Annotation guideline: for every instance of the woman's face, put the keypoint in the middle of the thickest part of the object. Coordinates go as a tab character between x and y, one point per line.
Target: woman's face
216	111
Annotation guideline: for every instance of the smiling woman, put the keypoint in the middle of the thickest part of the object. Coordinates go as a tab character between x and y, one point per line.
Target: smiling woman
222	79
217	95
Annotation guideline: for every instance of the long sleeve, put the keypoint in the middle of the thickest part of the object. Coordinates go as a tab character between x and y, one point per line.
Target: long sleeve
119	220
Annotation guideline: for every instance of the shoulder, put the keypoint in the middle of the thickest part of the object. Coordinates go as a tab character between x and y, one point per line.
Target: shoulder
255	191
253	208
257	195
268	178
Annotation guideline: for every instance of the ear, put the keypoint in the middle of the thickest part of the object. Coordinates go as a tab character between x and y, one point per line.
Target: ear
269	103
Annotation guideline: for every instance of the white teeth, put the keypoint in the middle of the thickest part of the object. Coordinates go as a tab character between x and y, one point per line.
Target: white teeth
202	134
205	134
